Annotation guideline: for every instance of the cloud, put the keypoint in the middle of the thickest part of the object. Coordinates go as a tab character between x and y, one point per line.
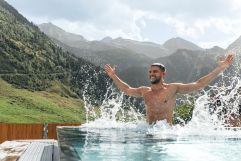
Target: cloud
94	19
197	21
72	10
189	8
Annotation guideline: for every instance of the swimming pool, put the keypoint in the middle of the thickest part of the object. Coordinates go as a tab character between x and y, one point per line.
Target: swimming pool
145	143
118	134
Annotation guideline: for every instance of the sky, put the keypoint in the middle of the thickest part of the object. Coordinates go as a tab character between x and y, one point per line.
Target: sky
206	23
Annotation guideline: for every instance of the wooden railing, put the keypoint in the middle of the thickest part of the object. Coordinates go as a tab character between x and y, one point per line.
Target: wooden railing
29	131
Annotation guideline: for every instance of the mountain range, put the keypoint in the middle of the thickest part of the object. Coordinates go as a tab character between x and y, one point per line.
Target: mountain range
185	61
149	49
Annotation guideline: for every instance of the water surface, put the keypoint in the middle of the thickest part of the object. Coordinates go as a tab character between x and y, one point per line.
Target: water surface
146	143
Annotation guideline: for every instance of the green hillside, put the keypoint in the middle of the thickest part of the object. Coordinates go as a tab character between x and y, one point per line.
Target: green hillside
24	106
39	82
29	59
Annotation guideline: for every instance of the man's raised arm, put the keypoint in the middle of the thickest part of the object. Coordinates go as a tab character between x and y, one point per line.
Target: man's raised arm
124	87
204	81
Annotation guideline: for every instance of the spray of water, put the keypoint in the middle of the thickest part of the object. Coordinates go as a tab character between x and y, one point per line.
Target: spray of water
216	107
220	104
113	111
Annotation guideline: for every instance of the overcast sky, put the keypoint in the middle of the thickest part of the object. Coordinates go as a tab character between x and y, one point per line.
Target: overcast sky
203	22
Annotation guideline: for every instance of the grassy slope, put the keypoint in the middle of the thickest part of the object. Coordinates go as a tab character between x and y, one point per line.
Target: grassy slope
23	106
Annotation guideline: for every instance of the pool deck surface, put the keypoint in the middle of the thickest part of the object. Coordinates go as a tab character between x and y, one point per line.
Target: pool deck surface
29	150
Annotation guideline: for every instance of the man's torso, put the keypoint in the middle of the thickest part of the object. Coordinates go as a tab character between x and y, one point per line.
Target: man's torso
160	103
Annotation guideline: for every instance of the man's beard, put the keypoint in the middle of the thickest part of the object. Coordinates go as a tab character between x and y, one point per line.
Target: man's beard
156	81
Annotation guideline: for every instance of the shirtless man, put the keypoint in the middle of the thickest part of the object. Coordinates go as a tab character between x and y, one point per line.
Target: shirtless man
160	97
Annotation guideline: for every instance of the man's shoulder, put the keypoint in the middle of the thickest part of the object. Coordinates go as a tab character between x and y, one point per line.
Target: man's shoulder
144	88
174	84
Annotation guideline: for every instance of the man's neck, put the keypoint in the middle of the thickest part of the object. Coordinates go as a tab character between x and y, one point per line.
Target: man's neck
158	86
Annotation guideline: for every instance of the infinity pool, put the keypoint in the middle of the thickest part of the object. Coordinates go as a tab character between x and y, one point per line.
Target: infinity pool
135	144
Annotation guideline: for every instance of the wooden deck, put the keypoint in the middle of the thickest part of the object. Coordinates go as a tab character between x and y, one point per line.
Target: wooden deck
30	150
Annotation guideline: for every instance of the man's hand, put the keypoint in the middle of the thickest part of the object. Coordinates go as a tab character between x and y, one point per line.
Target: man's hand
109	70
226	62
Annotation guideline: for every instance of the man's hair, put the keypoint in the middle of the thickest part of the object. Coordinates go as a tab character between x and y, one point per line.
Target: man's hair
161	66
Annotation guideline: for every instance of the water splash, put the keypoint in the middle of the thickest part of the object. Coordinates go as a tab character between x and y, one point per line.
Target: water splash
216	107
220	104
113	111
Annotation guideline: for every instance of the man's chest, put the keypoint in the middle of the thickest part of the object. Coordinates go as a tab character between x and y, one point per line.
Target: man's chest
160	99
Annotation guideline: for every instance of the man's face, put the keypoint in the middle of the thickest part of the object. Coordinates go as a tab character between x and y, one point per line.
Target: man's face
155	74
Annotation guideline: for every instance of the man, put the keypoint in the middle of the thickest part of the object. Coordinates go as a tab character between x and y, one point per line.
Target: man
160	97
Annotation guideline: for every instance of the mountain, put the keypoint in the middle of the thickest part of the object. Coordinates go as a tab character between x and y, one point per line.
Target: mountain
149	49
187	65
182	66
132	65
100	52
30	59
215	50
178	43
68	38
236	45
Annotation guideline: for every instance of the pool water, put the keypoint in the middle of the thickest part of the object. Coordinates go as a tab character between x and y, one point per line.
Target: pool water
149	144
